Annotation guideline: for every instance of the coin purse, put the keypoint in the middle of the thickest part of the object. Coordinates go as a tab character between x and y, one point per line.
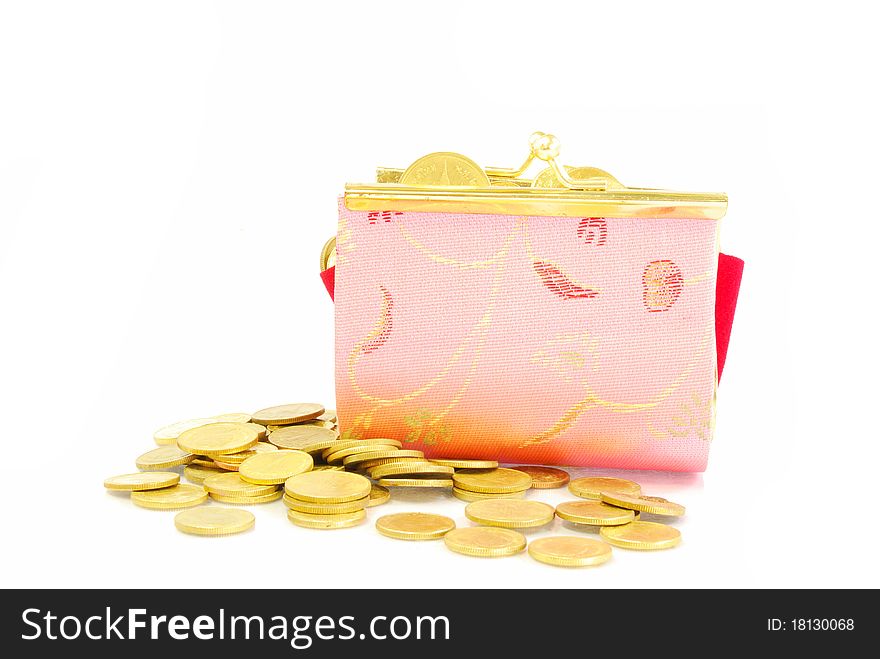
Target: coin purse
563	319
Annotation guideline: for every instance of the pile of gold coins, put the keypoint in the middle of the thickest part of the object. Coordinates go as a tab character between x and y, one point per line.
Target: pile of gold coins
294	453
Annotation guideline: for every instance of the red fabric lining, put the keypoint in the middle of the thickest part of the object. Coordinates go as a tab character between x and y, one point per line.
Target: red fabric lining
730	270
328	276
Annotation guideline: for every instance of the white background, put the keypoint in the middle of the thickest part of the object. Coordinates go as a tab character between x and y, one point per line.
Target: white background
169	172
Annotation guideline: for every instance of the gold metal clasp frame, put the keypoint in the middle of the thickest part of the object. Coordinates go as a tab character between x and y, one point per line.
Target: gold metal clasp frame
450	182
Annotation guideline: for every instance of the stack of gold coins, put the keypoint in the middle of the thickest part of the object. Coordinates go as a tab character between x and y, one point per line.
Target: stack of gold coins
280	416
354	451
412	474
617	510
294	452
327	499
305	437
229	444
232	461
458	464
385	461
327	419
226	458
594	513
642	534
500	483
159	490
228	487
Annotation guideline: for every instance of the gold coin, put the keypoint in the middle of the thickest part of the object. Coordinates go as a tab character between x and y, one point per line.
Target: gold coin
378	444
641	535
464	495
209	520
178	496
163	457
327	486
310	439
197	473
492	480
241	456
169	434
226	466
203	461
546	178
414	526
310	521
336	456
485	541
569	551
592	487
544	478
409	469
281	415
328	415
326	508
594	513
215	439
330	425
142	480
378	495
262	431
275	468
406	459
231	485
328	468
415	482
652	505
234	417
465	464
444	168
393	453
247	501
509	513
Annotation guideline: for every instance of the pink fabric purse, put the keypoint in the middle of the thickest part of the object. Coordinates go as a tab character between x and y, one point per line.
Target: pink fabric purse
567	320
